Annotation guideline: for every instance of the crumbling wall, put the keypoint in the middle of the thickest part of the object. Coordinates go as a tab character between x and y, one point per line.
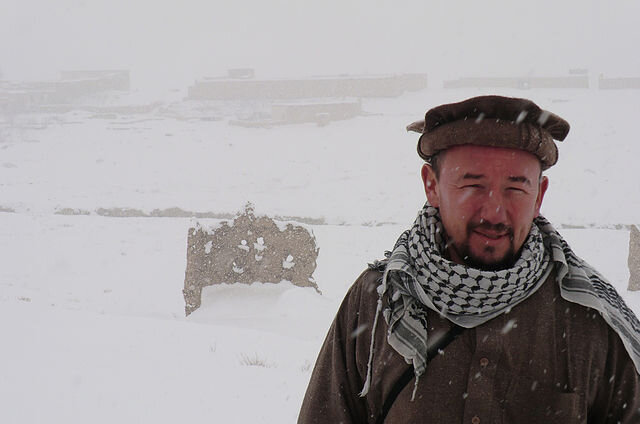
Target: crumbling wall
634	258
245	250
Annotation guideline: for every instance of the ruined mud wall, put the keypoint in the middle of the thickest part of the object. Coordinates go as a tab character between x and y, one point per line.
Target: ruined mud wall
245	250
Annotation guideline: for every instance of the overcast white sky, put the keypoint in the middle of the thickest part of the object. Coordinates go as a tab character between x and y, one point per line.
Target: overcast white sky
172	43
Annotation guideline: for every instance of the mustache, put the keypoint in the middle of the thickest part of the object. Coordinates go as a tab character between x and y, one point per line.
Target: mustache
485	225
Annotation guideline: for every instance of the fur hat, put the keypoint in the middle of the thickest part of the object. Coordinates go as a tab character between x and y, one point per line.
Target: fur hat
492	121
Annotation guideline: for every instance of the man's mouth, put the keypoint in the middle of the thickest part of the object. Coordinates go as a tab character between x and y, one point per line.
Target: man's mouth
491	234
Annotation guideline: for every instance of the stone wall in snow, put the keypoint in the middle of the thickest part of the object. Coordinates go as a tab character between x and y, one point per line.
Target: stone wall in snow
248	249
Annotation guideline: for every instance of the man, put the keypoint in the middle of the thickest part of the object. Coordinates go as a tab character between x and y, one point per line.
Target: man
488	315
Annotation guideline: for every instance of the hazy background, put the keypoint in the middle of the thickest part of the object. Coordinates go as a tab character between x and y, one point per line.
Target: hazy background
169	44
91	304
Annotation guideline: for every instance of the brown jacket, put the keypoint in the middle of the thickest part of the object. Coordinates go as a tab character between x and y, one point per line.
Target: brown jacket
546	361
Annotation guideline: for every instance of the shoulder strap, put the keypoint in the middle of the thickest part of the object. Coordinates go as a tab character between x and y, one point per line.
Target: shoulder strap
408	375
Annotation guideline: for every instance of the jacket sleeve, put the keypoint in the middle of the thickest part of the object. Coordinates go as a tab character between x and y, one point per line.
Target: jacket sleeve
333	392
618	396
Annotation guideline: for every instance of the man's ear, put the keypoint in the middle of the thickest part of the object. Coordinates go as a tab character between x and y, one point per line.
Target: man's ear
430	185
542	189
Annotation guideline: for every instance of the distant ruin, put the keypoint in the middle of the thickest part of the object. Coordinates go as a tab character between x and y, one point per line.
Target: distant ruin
245	250
59	95
524	82
296	112
618	83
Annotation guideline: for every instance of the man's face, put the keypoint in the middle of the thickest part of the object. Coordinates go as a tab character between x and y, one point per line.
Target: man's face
488	198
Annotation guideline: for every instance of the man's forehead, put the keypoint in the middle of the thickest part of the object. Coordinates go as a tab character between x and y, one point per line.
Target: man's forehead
487	160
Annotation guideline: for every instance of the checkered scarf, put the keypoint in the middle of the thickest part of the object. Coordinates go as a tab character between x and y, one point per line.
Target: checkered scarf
417	276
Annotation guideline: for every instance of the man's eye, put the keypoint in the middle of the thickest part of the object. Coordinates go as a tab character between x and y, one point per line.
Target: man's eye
516	189
472	186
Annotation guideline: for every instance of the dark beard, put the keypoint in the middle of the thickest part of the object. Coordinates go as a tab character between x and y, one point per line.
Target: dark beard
463	250
472	261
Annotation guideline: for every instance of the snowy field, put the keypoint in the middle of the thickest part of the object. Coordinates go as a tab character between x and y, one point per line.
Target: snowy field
91	309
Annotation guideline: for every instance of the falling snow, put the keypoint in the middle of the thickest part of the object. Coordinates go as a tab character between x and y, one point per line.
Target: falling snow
118	281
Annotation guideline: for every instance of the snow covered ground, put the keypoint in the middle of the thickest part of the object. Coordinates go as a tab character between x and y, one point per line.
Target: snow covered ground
91	309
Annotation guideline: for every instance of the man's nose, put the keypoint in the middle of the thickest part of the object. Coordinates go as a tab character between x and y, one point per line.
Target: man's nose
493	208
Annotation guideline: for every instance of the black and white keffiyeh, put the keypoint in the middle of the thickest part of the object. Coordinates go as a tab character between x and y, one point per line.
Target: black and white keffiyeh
417	276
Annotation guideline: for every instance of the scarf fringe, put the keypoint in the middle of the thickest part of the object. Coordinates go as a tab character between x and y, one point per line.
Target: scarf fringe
415	388
367	382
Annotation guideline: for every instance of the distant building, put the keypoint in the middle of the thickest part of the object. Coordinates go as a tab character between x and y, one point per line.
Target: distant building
76	84
319	112
241	73
25	96
100	80
572	81
618	83
70	88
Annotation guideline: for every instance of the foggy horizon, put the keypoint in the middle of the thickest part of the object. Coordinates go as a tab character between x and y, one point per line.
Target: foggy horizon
171	46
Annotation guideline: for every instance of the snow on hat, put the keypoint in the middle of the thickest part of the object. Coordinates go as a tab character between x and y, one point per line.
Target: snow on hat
492	121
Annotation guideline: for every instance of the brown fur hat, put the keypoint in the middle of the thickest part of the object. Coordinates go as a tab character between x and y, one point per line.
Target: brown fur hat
492	121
